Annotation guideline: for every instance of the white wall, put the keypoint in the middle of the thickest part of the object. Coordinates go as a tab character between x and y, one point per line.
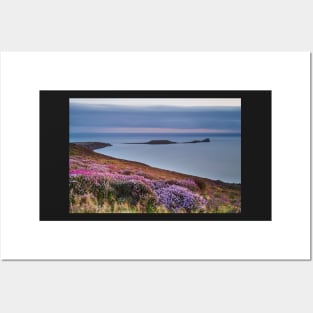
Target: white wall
149	286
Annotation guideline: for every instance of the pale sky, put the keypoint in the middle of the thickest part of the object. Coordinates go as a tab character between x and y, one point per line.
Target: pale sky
144	102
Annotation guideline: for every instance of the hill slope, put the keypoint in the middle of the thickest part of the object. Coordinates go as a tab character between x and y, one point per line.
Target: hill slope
103	184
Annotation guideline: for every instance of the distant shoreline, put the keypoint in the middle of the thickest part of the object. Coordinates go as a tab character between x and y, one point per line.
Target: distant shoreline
98	145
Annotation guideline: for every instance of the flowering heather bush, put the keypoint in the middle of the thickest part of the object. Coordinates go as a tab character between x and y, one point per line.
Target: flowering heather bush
188	183
132	192
176	197
82	172
112	189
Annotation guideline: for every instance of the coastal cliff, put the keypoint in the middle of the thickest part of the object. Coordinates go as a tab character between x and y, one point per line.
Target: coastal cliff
93	145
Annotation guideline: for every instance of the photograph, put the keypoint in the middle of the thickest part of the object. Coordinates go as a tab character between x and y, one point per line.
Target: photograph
155	155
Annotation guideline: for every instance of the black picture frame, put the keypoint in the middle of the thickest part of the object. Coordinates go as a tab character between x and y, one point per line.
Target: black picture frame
256	172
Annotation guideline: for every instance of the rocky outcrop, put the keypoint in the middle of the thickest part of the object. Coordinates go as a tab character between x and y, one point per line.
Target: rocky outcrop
166	142
199	141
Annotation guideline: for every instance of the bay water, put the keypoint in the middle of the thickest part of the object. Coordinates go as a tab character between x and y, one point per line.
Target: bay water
219	159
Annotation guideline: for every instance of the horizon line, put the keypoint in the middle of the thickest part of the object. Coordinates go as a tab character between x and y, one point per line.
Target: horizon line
153	130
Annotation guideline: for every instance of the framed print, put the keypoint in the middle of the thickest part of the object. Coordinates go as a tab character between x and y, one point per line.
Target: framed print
155	156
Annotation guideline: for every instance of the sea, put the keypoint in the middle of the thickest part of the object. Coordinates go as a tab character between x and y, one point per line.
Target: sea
220	159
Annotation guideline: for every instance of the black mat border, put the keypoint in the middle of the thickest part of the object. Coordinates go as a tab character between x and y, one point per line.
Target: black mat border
255	160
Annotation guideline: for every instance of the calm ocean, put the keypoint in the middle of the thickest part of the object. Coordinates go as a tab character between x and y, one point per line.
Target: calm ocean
219	159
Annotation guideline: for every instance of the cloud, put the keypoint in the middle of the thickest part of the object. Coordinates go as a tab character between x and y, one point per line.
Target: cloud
133	118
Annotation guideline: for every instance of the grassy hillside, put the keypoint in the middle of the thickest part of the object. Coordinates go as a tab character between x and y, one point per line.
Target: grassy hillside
102	184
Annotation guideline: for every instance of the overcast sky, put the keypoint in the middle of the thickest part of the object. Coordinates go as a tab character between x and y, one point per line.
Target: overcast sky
155	115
